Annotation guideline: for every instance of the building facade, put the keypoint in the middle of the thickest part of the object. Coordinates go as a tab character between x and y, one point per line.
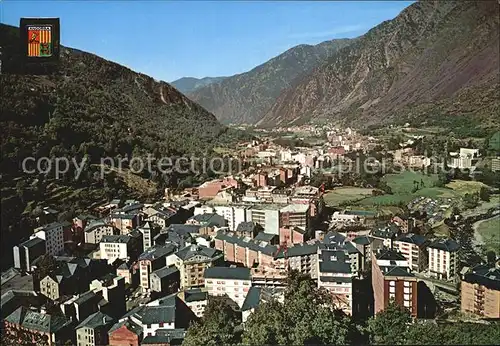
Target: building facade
443	259
392	281
480	291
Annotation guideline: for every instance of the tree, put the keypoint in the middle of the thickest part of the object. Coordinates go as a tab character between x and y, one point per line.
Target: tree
390	325
307	316
217	327
484	194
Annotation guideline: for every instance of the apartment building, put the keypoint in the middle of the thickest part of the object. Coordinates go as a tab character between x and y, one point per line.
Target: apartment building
300	257
96	229
293	235
414	248
295	215
125	222
153	259
193	260
268	216
165	280
24	323
337	267
386	233
112	290
365	245
27	252
114	247
392	280
443	259
196	299
233	282
246	250
53	234
480	291
93	331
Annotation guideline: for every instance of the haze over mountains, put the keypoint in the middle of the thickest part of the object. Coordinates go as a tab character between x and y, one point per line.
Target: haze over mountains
434	58
189	84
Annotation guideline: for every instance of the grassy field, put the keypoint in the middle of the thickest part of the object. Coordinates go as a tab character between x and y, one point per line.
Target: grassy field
489	231
403	182
463	187
341	195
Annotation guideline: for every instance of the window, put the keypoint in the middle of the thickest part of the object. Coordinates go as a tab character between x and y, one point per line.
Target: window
406	303
392	289
392	283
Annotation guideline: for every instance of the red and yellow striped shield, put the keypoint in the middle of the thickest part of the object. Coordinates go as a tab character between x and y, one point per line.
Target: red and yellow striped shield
40	40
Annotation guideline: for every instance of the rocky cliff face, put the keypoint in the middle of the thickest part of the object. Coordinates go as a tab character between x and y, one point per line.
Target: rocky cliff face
246	97
432	53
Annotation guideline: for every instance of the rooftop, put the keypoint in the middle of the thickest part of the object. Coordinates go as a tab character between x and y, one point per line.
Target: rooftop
111	238
484	275
96	320
38	321
448	245
227	273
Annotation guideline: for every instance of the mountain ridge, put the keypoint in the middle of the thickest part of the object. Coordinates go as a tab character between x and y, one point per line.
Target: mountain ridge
417	58
245	97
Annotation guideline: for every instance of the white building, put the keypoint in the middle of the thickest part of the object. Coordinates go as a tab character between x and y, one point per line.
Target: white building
114	247
96	230
464	159
443	259
413	248
233	214
53	235
233	282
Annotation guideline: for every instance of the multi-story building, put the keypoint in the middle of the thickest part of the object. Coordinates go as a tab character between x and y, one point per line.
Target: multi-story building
165	280
300	257
233	282
246	250
480	291
268	216
443	259
153	259
196	299
495	164
392	280
387	234
71	276
148	234
125	222
365	245
338	266
96	229
293	235
192	262
114	247
248	229
53	234
93	331
414	248
295	215
27	325
112	289
165	314
27	252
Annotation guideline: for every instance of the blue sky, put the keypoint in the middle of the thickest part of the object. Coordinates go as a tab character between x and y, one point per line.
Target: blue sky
172	39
